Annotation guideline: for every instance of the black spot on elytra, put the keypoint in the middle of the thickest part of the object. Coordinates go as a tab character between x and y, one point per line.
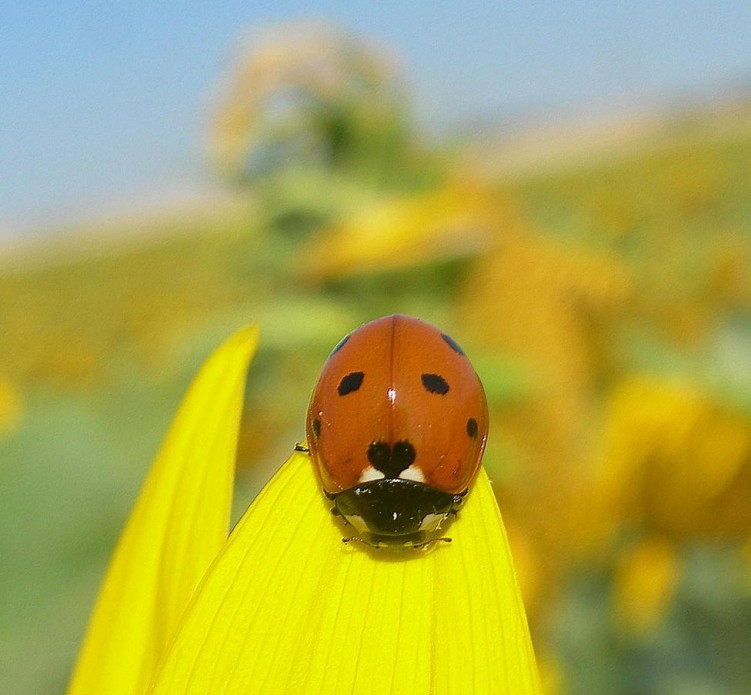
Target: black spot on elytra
391	461
350	383
452	344
340	345
435	383
316	428
472	427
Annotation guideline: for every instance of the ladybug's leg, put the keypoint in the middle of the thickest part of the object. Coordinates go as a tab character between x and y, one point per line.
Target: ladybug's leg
302	446
335	512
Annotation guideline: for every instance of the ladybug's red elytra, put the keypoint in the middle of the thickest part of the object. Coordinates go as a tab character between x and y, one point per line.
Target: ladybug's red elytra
396	429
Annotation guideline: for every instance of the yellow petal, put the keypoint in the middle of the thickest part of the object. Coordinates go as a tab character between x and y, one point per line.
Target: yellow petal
288	608
177	527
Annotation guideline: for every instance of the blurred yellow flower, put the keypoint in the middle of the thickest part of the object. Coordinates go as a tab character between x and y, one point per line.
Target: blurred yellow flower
539	301
675	461
458	219
284	606
645	581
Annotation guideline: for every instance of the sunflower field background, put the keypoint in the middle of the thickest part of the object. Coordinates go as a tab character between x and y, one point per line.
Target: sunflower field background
600	281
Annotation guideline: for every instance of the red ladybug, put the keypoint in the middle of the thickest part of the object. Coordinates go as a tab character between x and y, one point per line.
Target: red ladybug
396	429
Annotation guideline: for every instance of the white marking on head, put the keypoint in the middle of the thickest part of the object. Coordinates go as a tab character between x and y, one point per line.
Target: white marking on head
357	523
413	473
432	522
369	474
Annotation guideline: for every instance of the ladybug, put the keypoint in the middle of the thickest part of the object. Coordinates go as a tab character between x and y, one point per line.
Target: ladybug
396	429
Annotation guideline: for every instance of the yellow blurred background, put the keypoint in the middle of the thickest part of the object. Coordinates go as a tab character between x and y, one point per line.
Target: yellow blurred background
599	280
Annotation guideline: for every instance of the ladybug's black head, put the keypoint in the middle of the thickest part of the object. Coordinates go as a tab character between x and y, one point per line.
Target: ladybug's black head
395	512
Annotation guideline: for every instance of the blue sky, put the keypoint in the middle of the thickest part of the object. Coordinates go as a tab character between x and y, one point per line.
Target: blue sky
106	100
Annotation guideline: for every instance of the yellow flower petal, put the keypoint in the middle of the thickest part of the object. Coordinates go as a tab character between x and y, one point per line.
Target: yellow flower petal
288	608
177	527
